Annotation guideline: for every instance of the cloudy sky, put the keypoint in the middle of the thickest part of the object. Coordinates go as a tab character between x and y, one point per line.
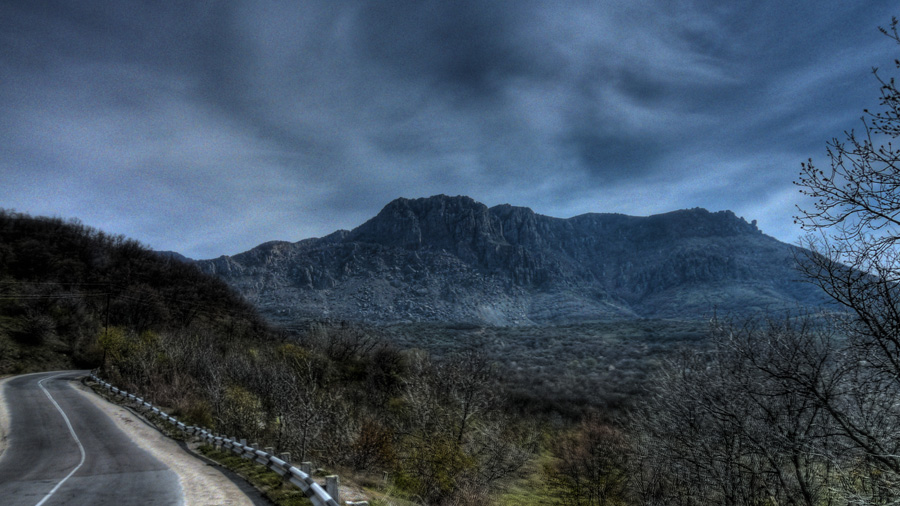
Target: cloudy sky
210	127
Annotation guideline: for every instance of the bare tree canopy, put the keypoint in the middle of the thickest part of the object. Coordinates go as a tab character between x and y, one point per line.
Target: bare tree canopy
856	202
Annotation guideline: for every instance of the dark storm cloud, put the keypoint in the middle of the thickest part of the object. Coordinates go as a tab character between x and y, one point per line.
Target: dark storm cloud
471	47
209	127
612	158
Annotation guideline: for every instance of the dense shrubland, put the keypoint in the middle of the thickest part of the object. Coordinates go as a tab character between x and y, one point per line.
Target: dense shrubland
784	411
565	369
338	398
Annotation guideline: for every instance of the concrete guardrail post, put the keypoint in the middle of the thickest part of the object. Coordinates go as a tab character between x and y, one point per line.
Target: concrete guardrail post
306	467
332	483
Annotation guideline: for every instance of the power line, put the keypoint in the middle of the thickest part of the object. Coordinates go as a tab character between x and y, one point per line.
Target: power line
52	283
51	296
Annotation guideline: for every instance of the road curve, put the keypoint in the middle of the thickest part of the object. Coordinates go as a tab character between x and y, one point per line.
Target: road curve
62	449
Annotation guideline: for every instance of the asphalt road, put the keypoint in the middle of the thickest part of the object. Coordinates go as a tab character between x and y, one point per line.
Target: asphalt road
64	450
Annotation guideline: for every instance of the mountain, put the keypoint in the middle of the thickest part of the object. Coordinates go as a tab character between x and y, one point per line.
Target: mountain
452	259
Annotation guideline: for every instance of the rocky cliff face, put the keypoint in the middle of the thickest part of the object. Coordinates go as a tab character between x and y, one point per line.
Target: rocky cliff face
454	259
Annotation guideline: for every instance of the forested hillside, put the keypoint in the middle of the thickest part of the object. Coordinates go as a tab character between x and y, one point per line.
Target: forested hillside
63	283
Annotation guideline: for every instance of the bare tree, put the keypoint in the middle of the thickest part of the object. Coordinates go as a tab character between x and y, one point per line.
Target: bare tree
592	466
456	441
306	408
735	425
470	387
855	257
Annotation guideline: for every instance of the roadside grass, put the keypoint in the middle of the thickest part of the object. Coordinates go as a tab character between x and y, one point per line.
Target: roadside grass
377	490
387	499
272	486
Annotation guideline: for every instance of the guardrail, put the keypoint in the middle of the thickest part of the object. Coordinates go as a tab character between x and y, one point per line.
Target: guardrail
297	477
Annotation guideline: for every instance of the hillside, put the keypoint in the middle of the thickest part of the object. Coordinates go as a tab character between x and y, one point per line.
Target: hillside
62	284
454	259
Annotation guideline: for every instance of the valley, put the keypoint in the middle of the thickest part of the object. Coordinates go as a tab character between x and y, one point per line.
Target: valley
570	369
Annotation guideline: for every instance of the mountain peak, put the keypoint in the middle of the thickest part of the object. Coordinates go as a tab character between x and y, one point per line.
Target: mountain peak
438	222
701	222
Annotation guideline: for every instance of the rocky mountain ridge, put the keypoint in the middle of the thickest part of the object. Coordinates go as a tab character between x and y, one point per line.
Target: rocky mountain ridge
452	259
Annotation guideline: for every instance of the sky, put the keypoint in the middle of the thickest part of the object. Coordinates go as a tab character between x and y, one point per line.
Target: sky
209	127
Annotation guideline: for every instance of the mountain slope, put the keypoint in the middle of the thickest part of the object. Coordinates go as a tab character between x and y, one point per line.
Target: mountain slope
454	259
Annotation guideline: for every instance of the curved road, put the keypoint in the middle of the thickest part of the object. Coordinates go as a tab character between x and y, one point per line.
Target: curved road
64	450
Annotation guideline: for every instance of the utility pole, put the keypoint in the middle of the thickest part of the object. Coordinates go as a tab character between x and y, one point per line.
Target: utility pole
106	324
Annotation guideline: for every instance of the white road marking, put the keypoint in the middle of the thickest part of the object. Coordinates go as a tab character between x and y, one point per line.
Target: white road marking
71	431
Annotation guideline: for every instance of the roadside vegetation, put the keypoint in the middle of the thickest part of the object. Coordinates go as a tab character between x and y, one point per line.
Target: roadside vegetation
340	399
272	486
